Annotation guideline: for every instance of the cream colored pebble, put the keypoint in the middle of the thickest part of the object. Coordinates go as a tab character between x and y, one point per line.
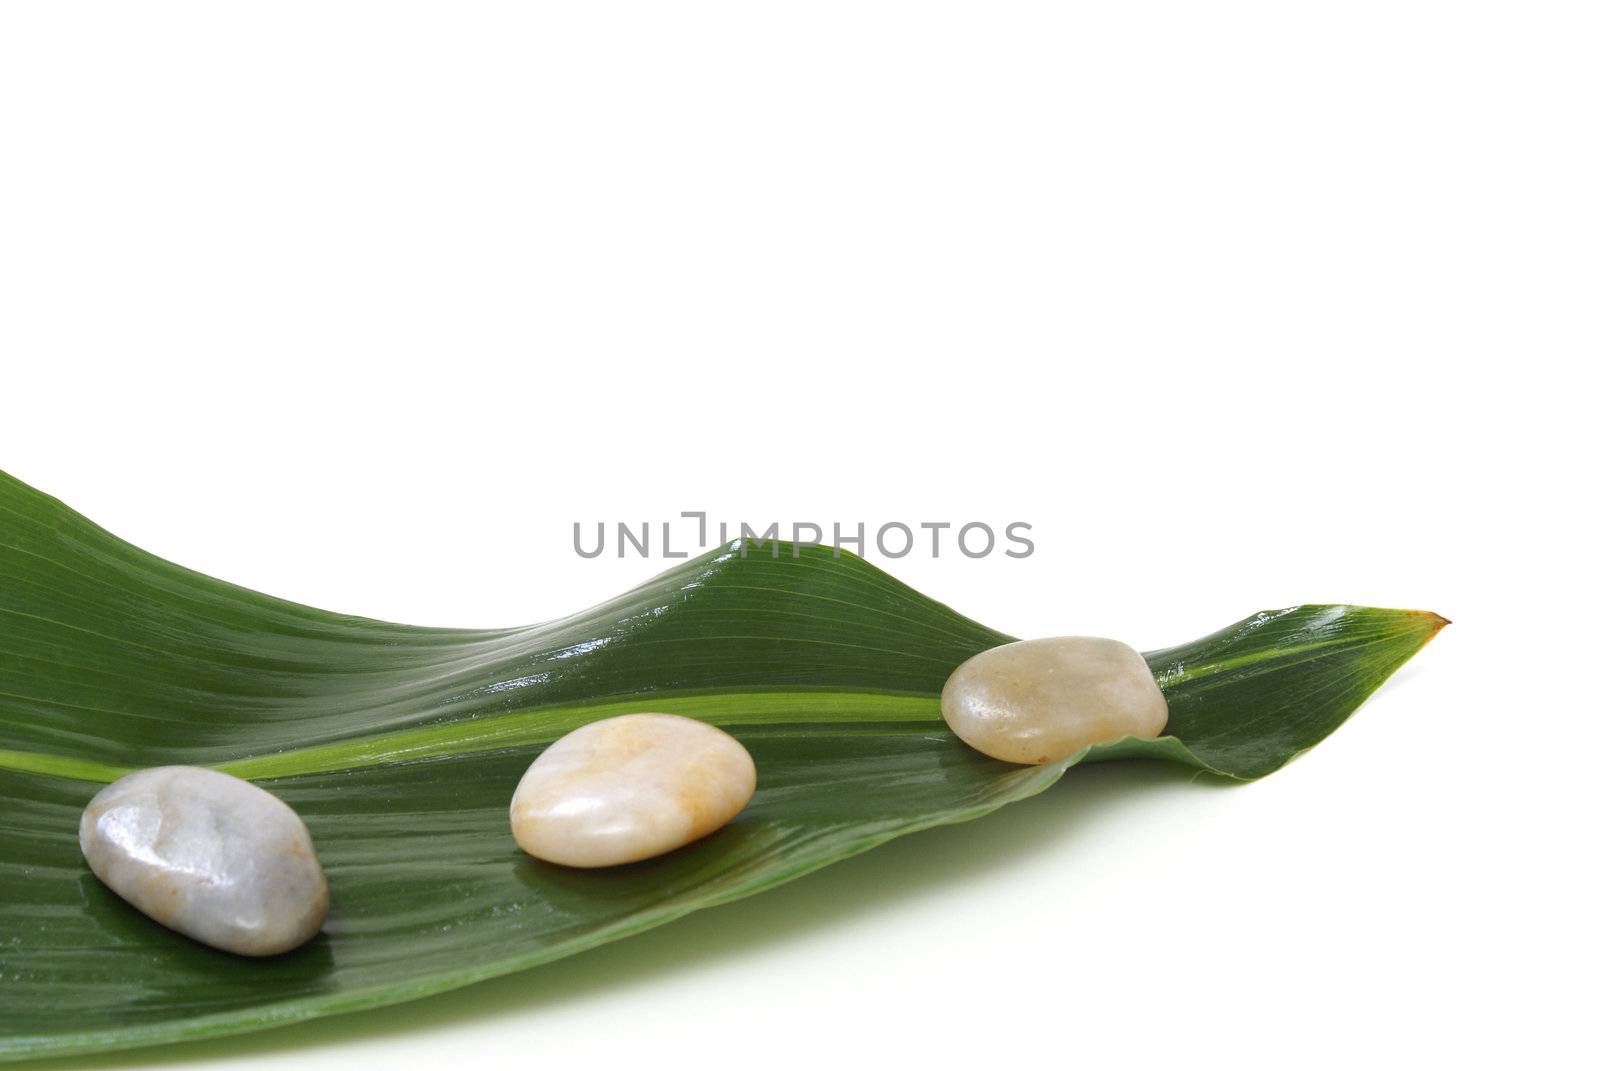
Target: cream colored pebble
628	788
208	855
1037	701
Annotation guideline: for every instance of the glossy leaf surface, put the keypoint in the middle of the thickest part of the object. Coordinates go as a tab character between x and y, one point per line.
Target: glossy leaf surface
400	746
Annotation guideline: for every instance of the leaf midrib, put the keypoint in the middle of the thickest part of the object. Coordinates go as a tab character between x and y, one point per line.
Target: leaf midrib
540	725
543	725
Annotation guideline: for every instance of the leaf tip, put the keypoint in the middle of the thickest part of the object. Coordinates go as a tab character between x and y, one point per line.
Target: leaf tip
1435	622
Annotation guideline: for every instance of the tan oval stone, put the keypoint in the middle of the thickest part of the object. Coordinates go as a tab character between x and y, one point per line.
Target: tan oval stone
628	788
209	855
1037	701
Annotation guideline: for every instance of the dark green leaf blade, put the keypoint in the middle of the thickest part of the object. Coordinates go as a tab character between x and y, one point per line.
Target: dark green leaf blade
401	746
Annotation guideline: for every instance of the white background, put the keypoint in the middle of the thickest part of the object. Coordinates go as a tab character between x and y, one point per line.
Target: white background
1239	304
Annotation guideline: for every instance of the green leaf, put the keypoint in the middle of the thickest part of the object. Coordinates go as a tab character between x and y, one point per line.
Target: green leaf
401	746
